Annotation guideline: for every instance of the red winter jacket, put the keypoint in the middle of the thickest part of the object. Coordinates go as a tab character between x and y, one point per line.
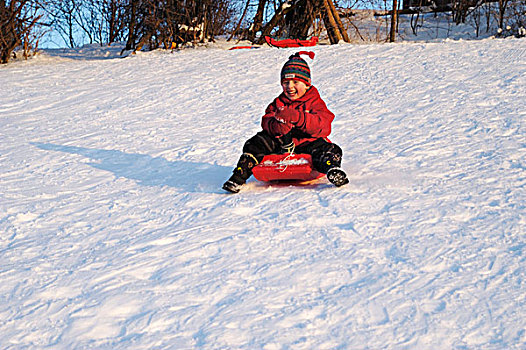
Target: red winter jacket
315	116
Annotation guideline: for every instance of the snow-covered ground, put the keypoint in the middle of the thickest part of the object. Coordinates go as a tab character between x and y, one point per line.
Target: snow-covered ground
368	26
115	233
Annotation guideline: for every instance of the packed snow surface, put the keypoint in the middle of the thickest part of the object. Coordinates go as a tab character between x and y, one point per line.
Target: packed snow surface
115	233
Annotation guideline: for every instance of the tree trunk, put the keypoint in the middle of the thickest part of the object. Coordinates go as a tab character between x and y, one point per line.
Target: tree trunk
330	23
338	21
258	21
240	20
300	20
12	27
130	43
503	4
282	11
394	20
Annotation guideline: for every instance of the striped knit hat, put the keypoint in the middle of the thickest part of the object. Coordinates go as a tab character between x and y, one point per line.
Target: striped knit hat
296	68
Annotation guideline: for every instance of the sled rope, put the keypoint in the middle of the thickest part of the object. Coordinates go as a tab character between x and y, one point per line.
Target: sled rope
287	158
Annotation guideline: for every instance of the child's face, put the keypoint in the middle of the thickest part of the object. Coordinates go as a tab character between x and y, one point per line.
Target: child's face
294	89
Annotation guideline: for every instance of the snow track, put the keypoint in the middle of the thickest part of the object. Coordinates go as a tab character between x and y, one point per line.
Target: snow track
115	233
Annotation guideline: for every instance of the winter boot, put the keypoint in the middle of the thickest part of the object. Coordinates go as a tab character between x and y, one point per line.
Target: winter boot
330	165
337	176
242	172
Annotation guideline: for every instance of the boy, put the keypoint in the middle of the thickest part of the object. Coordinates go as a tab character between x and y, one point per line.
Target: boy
296	121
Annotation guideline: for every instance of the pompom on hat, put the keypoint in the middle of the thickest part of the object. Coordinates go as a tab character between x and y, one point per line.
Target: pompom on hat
296	68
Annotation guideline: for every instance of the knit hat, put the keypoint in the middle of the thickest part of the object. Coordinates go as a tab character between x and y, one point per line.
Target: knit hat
296	68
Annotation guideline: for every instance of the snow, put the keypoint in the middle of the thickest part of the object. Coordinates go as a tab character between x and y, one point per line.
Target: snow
115	233
285	162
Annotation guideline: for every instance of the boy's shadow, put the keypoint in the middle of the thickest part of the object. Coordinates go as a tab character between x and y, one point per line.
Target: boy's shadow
151	171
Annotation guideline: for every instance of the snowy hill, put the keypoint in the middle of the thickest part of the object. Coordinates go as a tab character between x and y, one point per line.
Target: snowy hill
115	233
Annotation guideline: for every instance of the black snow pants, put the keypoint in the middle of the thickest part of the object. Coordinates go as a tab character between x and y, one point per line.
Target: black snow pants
325	155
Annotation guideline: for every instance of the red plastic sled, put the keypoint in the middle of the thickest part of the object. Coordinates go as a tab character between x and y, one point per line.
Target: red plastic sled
286	167
291	42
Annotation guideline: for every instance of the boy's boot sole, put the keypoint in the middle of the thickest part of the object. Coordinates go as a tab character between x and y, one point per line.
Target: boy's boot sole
337	177
232	187
234	184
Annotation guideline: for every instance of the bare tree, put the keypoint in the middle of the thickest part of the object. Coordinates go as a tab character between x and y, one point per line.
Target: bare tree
170	23
503	6
296	17
17	20
132	11
394	21
62	18
113	14
511	18
258	20
284	7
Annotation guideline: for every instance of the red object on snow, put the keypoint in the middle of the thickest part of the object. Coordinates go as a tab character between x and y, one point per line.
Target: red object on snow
244	47
286	167
291	42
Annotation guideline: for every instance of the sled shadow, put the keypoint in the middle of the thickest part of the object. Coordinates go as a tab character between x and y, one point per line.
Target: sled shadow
151	171
306	185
